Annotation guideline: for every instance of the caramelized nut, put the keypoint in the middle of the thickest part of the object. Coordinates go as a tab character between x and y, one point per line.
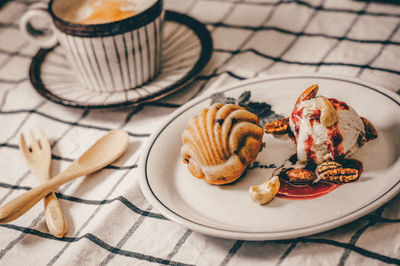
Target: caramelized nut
280	126
326	166
308	94
266	191
300	176
340	175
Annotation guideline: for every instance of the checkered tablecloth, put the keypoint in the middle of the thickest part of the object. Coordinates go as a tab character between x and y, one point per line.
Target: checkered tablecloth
110	221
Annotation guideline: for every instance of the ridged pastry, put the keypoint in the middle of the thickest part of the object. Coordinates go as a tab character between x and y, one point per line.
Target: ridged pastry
221	142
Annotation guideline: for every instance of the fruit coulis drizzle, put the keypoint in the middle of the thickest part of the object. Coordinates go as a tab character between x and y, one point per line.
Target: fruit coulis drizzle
288	190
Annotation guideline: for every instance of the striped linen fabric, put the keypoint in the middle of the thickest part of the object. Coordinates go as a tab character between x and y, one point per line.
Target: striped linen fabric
110	222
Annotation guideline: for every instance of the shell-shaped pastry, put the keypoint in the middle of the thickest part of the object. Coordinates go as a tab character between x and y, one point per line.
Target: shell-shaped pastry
220	142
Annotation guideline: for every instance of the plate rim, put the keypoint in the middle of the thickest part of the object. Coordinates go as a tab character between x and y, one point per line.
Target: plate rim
260	236
196	26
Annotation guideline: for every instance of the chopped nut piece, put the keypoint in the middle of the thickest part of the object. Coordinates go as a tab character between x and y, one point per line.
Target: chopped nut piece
329	115
266	191
280	126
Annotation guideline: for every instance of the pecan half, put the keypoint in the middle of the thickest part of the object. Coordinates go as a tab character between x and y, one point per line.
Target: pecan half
300	176
370	131
308	94
340	175
326	166
280	126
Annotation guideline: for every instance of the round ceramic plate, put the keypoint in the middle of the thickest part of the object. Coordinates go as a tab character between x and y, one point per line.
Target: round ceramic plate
227	211
187	47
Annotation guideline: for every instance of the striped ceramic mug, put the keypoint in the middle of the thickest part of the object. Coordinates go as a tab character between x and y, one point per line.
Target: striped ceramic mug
113	45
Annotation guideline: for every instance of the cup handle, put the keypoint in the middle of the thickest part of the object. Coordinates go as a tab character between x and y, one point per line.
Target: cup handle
45	37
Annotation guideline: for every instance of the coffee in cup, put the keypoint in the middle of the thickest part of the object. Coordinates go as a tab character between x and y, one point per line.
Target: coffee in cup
103	11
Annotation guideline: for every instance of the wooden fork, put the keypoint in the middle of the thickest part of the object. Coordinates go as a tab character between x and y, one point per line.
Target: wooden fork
38	158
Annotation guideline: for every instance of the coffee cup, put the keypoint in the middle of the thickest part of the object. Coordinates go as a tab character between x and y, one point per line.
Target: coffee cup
112	45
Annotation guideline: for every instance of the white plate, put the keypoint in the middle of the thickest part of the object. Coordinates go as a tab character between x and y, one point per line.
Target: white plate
228	212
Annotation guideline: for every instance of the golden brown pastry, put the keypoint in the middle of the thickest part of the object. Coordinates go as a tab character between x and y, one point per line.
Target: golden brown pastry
221	142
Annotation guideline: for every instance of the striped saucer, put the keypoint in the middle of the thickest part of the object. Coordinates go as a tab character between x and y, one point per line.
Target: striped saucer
187	47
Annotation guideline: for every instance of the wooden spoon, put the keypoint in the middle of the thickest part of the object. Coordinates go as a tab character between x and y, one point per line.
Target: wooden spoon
106	150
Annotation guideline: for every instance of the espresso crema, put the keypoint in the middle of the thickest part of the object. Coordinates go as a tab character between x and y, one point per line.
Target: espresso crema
103	11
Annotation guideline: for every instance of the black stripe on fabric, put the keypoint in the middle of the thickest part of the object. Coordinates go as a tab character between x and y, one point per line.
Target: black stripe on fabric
70	123
11	244
354	248
321	8
10	81
35	221
178	245
121	199
232	251
383	219
278	59
286	253
12	135
10	25
121	73
9	58
15	53
56	157
132	113
303	34
124	239
87	221
4	99
104	51
354	238
97	241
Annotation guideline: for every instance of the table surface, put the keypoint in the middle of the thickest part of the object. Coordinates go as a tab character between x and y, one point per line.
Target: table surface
110	221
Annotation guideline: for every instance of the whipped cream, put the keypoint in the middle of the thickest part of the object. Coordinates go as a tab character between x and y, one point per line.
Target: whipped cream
316	142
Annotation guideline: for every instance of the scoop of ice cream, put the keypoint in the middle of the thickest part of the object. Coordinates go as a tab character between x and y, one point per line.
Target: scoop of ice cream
325	129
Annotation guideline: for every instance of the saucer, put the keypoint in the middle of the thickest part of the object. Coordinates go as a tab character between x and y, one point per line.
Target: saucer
187	47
